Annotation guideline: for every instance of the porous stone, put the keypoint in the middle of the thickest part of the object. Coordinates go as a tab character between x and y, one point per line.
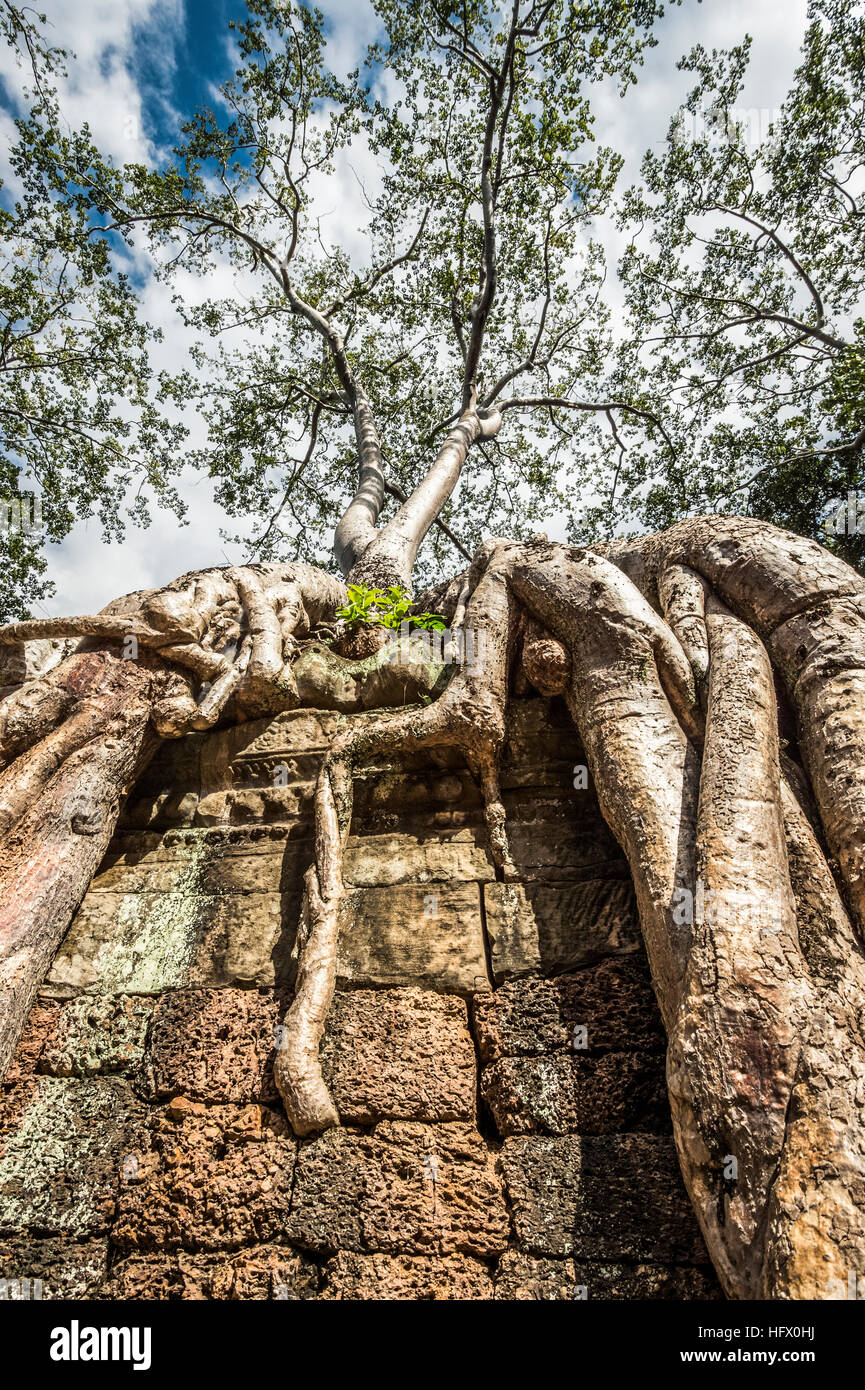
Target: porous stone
206	1178
542	928
353	1277
263	1273
95	1035
399	1054
601	1198
404	1189
612	1001
522	1278
64	1268
214	1045
577	1095
37	1033
61	1155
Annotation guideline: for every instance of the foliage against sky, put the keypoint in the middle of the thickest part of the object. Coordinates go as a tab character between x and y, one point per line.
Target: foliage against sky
681	411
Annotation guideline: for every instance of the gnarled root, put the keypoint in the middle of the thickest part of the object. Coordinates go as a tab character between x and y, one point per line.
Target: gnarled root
470	716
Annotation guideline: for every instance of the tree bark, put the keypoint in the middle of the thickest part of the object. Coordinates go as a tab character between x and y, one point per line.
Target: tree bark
75	782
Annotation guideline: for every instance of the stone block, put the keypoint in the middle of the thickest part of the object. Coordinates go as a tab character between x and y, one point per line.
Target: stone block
399	1054
261	1273
414	934
145	943
214	1045
615	1092
61	1156
545	928
416	1278
65	1268
612	1000
404	1189
206	1178
95	1035
601	1199
523	1278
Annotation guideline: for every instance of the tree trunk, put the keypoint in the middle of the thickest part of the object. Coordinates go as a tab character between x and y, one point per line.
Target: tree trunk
62	799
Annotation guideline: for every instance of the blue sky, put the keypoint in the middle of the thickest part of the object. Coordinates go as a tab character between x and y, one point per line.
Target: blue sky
144	65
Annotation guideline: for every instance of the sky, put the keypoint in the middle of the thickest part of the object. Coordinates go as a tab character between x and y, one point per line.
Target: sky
142	66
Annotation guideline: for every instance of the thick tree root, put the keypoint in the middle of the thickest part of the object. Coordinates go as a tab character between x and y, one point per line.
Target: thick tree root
680	727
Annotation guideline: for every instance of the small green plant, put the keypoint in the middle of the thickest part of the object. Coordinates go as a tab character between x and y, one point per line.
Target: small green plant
385	608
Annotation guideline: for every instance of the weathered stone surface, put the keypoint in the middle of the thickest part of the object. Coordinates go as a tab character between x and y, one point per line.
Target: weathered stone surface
277	865
95	1035
272	865
352	1277
613	1001
267	1272
459	856
399	1054
214	1045
65	1269
577	1095
601	1198
414	935
540	731
564	847
544	928
394	1054
206	1178
404	1189
183	953
146	943
525	1277
38	1031
60	1160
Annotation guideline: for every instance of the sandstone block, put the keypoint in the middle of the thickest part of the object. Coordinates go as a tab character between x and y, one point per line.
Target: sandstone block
145	943
545	928
414	934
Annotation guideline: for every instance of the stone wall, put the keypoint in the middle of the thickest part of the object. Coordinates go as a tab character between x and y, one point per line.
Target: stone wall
495	1051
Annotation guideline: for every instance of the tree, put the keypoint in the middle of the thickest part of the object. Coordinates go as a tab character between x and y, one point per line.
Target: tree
83	419
745	286
667	648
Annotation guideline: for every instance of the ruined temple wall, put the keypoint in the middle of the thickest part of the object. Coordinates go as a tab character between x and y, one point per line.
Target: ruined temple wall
495	1050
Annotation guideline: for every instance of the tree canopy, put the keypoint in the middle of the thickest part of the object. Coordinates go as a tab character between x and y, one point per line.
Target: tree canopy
82	417
335	367
745	284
